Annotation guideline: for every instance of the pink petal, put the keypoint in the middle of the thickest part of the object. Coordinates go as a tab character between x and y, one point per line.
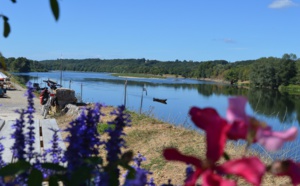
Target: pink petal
216	130
236	109
238	130
211	179
174	155
252	169
289	168
193	178
273	140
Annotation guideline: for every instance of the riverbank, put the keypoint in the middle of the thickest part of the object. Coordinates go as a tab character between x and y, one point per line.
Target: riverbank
150	136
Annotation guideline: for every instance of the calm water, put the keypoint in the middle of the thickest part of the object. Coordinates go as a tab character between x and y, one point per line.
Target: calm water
278	110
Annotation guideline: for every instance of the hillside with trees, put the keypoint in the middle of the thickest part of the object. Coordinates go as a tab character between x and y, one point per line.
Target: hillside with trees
269	72
22	64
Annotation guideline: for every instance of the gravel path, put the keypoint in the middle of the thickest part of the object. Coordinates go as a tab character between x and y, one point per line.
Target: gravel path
16	99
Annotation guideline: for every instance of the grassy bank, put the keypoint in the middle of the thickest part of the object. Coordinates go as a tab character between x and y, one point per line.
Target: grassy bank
290	89
150	136
133	75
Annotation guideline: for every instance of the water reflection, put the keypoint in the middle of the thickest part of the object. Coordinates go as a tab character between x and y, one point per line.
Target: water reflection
265	102
272	103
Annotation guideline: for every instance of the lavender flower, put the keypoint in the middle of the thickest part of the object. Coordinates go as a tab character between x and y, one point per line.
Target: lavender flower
84	138
139	180
139	159
188	172
30	139
114	144
2	163
151	182
18	147
140	174
55	151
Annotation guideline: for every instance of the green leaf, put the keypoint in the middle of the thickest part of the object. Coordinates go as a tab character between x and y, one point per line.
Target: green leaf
35	178
127	157
226	156
131	170
124	162
93	160
53	181
15	168
55	8
53	166
80	176
6	26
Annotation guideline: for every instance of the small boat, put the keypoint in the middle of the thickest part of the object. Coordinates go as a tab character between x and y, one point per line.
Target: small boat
164	101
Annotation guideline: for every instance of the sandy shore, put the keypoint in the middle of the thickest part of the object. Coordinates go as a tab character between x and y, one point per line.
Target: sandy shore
16	99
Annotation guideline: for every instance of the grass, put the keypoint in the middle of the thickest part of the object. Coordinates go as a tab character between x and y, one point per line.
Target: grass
150	136
102	127
291	89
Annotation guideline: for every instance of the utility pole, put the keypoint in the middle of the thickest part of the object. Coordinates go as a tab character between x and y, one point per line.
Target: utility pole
125	94
81	92
144	89
70	84
61	71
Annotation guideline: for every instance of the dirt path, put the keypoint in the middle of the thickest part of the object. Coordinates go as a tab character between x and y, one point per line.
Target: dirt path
16	99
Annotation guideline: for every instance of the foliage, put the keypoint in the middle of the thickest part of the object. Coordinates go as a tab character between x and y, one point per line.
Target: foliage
264	72
103	127
22	64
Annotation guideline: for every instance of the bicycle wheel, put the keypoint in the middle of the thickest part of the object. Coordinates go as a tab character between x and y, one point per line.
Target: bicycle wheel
46	110
43	109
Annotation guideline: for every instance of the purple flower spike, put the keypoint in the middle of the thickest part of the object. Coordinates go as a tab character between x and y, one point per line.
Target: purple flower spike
151	182
114	144
84	137
55	151
18	147
30	139
2	163
139	159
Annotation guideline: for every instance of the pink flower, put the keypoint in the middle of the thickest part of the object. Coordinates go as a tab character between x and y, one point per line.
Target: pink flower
252	169
287	168
272	140
216	130
245	127
236	110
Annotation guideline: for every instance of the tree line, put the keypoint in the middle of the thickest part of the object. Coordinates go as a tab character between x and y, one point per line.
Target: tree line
268	72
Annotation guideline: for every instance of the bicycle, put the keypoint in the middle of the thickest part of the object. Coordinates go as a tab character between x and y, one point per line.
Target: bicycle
48	97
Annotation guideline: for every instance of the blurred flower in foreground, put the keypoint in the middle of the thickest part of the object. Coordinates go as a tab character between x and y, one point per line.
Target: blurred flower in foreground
252	130
287	168
216	128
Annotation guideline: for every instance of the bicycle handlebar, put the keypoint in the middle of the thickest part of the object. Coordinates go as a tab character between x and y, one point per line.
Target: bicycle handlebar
52	84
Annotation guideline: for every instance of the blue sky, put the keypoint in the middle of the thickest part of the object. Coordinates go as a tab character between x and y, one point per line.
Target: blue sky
197	30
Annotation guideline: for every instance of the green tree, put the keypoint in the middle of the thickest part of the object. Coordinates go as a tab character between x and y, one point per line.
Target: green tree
286	70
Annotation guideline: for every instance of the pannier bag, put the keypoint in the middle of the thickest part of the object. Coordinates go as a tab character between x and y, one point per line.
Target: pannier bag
44	96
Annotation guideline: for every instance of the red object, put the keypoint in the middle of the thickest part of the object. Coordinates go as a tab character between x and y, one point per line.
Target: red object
41	100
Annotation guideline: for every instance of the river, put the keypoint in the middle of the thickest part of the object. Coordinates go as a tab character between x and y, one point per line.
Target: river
278	110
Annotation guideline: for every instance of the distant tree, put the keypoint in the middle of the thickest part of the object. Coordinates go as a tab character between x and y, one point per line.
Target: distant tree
287	70
264	75
231	75
289	56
